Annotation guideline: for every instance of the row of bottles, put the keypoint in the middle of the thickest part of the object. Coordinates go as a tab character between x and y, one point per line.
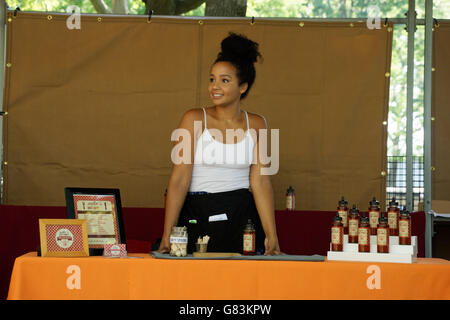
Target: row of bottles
360	228
374	215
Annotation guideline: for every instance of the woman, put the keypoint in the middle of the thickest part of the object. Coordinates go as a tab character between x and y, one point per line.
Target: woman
210	194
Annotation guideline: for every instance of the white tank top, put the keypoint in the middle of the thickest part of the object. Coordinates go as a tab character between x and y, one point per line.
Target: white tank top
221	167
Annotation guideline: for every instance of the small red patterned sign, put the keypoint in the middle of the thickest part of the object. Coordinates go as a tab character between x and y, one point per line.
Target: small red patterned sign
63	237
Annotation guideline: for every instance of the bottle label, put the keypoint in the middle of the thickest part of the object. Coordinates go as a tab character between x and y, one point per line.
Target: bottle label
174	239
382	234
363	236
403	230
392	219
373	218
353	227
290	202
248	242
336	235
343	215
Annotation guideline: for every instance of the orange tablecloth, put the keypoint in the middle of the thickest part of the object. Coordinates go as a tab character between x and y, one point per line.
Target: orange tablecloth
145	277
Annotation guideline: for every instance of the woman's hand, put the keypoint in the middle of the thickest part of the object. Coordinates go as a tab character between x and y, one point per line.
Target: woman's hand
164	246
271	245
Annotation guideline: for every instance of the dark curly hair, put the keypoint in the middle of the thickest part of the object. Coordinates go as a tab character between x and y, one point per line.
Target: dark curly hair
242	53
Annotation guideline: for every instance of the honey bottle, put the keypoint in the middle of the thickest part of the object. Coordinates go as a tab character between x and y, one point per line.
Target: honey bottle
374	215
393	216
337	234
249	239
290	198
404	228
383	235
364	234
353	224
342	210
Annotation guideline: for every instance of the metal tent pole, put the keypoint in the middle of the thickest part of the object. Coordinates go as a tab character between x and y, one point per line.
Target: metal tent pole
411	29
3	11
428	64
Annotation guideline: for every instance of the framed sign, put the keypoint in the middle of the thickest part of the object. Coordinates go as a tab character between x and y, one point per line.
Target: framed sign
102	210
63	238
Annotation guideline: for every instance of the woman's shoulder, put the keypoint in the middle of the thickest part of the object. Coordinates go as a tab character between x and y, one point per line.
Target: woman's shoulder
257	121
194	114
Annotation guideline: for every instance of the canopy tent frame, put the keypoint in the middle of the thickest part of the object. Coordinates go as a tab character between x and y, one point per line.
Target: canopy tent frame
410	21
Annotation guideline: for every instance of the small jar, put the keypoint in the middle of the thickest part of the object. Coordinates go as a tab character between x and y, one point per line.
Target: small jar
342	210
178	241
393	216
364	234
404	228
383	235
290	199
249	239
337	234
374	215
353	224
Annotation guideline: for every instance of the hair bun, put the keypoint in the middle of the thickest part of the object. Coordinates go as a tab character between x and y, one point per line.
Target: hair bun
239	48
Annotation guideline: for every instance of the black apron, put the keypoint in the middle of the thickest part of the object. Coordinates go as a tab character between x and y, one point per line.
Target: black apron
209	211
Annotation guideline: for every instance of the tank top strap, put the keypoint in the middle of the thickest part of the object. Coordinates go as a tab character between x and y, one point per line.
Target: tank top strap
246	116
204	116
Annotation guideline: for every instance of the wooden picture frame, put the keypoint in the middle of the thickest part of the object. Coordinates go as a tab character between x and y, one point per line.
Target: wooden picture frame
63	238
102	209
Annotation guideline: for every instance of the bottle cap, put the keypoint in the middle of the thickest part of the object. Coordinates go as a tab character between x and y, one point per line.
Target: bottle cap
290	189
374	202
404	212
354	209
365	218
393	203
249	225
383	218
343	202
337	217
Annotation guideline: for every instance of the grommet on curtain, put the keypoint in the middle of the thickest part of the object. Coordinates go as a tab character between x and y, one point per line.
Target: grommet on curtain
49	17
99	19
383	173
352	25
8	65
301	24
200	22
389	29
435	23
149	18
387	74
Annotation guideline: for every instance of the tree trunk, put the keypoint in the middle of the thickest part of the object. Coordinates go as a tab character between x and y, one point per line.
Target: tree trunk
100	6
120	6
229	8
171	7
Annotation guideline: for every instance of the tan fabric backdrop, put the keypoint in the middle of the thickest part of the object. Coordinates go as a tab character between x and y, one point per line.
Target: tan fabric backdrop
95	107
440	111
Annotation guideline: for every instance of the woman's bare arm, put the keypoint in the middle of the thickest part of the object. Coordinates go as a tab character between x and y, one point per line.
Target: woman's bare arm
180	178
263	194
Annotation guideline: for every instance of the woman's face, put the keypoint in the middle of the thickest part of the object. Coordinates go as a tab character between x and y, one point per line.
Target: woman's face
224	87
